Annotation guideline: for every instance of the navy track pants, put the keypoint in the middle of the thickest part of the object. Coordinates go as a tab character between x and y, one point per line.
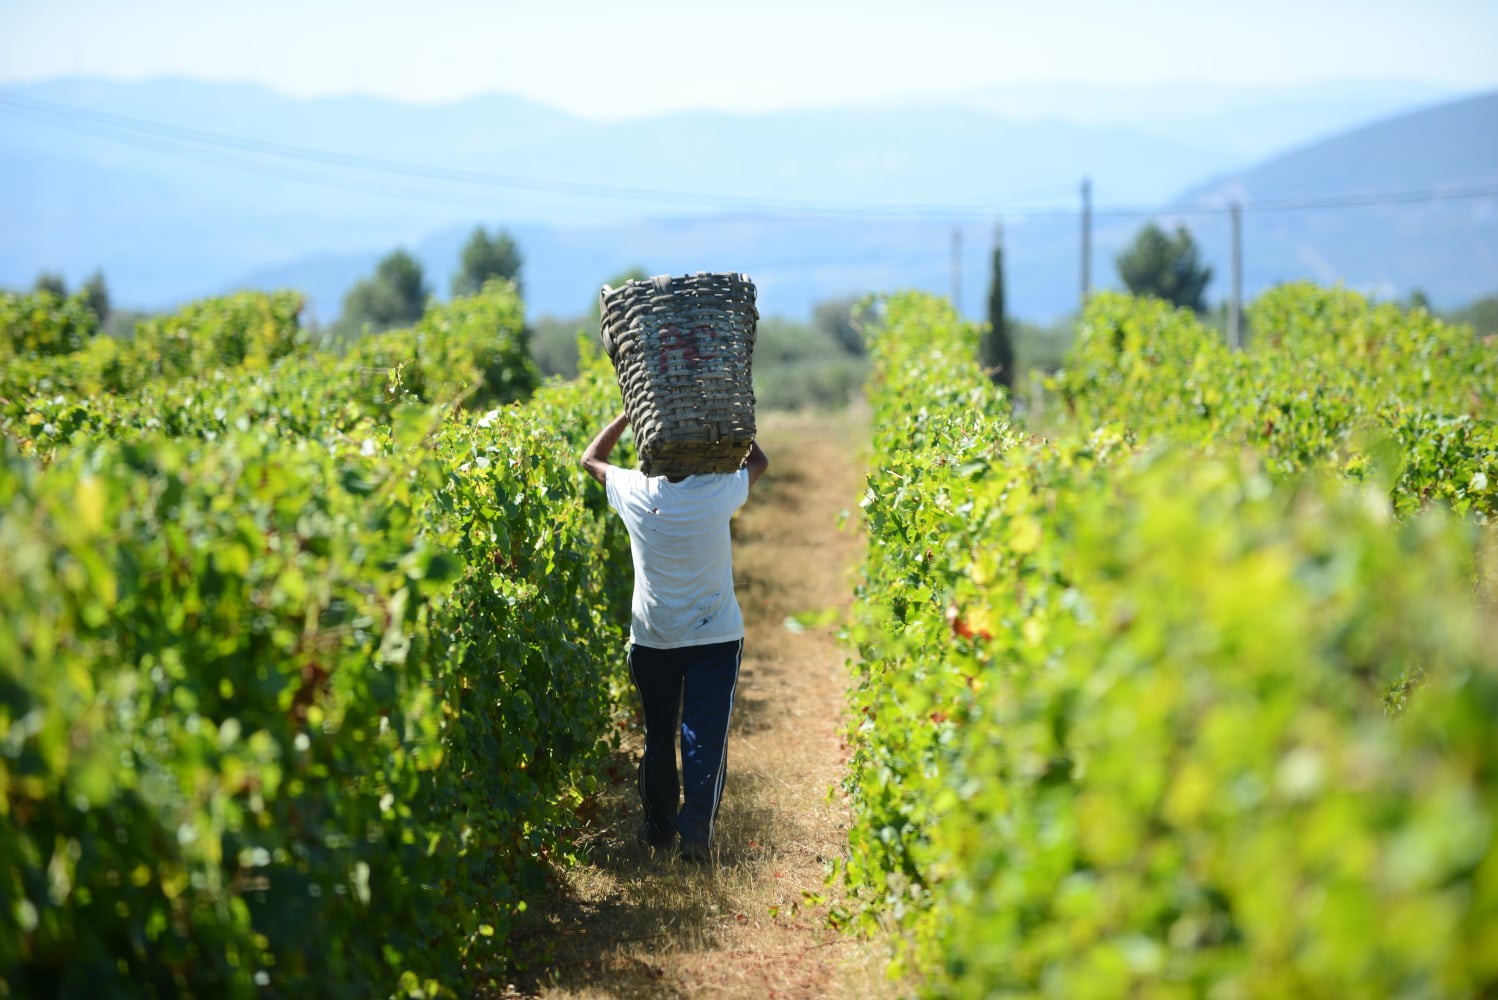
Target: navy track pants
693	686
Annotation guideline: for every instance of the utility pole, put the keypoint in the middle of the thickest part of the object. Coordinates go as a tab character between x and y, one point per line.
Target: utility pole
1235	310
1086	240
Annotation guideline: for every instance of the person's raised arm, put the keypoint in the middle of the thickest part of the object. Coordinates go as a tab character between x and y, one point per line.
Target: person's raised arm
596	456
756	462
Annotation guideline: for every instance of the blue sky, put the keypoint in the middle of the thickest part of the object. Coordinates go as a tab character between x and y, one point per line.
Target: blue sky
619	60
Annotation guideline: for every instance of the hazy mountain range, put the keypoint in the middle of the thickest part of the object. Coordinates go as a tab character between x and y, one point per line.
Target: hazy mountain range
178	189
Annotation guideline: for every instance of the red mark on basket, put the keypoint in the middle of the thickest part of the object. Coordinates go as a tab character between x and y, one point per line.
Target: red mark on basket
678	345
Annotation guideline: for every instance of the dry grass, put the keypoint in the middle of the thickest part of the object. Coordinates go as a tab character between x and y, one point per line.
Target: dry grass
631	923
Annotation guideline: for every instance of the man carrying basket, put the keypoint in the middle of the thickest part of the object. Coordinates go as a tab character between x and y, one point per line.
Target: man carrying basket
686	632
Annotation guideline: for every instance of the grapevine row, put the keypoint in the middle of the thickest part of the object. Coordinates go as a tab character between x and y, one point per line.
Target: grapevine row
1151	713
1329	382
305	661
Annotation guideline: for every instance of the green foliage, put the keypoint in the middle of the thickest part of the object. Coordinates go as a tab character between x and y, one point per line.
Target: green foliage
484	259
933	415
472	349
395	296
301	689
1328	381
243	330
248	330
1165	267
476	345
1164	720
43	324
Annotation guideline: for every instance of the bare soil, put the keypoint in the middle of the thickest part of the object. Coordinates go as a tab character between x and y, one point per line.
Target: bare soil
630	922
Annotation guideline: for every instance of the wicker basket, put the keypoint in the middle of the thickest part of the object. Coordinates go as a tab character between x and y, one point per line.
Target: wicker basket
681	348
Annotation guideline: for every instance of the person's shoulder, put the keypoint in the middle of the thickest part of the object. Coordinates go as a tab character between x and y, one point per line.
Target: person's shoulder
623	476
734	485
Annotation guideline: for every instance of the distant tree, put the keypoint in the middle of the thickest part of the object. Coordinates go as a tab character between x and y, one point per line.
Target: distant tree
1166	267
839	319
1481	315
96	295
1418	300
122	322
797	367
395	296
553	344
635	273
997	346
486	257
554	340
50	281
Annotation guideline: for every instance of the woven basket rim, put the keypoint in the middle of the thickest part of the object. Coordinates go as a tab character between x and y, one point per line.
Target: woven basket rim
659	291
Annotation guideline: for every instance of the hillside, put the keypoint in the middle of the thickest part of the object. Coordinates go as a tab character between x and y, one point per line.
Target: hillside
1372	238
1253	123
1445	248
1450	144
178	190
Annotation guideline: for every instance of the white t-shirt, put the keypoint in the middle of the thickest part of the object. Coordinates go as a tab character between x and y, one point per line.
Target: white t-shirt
683	557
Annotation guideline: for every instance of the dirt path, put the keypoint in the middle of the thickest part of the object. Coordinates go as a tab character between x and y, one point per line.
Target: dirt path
634	924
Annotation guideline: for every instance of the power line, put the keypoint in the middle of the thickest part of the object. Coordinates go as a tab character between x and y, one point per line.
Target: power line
178	139
1486	190
1483	190
250	153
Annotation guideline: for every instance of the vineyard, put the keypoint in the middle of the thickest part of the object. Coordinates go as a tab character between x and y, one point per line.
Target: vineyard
1193	696
305	661
310	672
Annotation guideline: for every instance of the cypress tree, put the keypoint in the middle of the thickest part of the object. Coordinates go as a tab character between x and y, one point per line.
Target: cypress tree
997	350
